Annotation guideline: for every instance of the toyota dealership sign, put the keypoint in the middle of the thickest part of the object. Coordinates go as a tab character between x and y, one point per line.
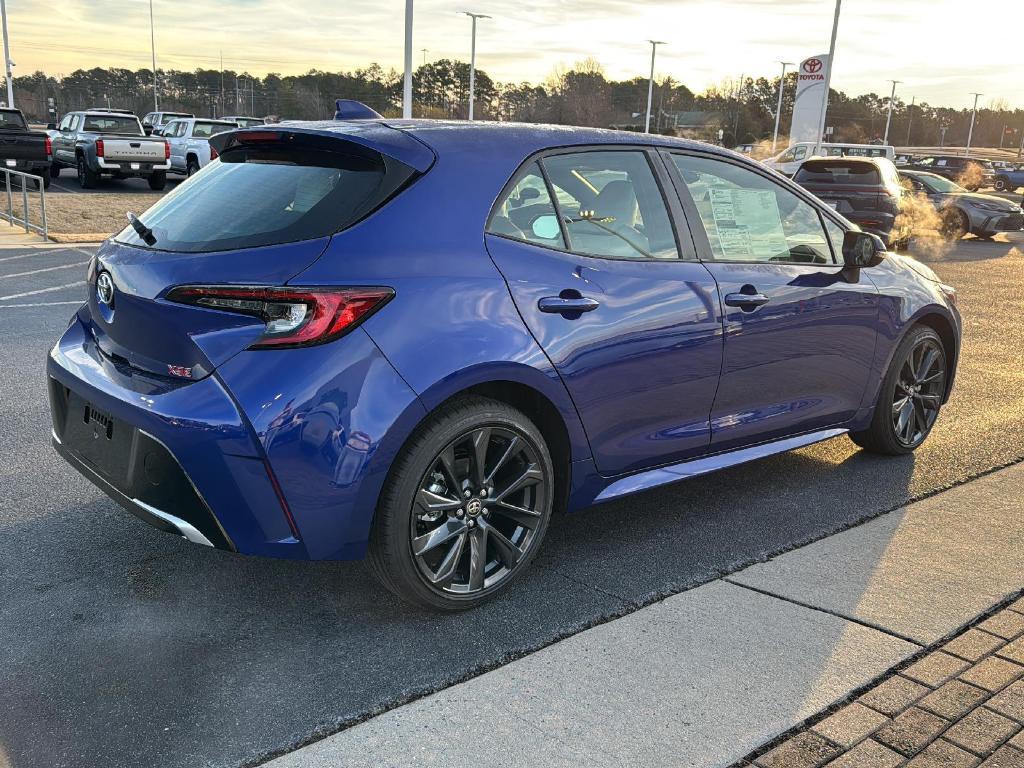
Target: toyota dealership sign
810	99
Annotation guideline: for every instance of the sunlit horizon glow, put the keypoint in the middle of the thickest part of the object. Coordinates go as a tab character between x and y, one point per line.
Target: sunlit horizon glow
707	42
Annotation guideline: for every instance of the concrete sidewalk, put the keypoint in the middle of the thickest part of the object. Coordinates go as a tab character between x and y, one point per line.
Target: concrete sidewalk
705	677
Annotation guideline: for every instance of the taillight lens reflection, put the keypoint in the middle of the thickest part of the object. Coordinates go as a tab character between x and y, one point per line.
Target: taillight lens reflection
293	317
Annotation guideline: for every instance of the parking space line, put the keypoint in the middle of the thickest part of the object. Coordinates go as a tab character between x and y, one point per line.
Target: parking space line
46	269
40	304
41	290
40	252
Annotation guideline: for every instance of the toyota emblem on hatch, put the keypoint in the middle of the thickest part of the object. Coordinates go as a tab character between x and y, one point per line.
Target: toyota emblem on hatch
105	289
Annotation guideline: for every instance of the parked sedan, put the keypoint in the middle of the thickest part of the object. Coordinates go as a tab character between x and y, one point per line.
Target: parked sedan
415	340
969	172
866	191
189	139
966	212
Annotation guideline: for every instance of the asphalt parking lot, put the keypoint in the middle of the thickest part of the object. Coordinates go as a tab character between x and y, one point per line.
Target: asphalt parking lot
122	645
67	182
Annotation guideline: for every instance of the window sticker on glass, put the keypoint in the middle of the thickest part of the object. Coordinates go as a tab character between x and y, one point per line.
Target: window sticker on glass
748	222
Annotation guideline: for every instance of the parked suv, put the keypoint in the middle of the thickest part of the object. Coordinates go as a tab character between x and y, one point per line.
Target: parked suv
98	144
154	122
865	191
416	340
189	139
970	173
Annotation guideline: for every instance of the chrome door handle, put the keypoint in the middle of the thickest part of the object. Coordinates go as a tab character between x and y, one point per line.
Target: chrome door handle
558	305
746	300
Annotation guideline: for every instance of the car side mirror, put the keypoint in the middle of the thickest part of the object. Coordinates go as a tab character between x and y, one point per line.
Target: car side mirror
546	227
862	249
51	126
149	130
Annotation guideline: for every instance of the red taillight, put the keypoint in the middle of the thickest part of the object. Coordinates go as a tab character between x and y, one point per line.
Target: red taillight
167	151
49	147
214	154
99	147
293	316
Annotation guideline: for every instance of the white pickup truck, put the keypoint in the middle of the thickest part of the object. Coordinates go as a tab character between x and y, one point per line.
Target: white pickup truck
97	143
189	139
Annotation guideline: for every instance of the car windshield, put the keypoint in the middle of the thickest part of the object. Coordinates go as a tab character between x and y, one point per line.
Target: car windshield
129	126
11	121
204	130
253	197
940	184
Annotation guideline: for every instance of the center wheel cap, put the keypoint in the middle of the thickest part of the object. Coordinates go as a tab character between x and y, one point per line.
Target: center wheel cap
474	508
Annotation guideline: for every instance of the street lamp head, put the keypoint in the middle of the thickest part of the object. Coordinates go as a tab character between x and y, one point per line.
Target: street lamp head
657	42
475	15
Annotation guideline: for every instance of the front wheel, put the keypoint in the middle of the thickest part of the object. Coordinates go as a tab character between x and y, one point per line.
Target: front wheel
465	507
955	224
910	397
1002	184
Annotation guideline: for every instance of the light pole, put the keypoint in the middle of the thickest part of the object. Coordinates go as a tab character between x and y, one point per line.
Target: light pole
910	118
472	60
828	78
424	52
7	55
650	84
778	108
970	132
152	47
888	117
407	84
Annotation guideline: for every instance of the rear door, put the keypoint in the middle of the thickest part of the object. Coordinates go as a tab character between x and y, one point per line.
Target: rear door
800	330
627	315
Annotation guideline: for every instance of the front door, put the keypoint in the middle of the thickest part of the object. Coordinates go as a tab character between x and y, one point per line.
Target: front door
626	314
800	329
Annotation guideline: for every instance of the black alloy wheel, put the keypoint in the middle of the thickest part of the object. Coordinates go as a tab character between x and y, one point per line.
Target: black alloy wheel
918	393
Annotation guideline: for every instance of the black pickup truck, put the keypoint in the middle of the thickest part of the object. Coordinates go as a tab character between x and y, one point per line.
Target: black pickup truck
22	149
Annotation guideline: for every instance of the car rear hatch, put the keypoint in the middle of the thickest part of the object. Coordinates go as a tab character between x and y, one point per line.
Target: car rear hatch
854	189
255	218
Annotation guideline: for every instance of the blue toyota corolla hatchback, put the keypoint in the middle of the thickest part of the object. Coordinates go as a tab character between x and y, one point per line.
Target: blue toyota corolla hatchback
415	340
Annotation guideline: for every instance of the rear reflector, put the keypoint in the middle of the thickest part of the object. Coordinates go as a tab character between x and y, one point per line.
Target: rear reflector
293	317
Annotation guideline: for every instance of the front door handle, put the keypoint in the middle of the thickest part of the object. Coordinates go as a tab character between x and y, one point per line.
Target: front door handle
746	301
559	305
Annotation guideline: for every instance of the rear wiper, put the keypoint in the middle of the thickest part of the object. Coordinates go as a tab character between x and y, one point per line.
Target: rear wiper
143	231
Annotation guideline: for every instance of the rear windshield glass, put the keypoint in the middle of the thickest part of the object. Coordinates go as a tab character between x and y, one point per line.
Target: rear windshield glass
112	124
9	120
847	174
206	130
253	196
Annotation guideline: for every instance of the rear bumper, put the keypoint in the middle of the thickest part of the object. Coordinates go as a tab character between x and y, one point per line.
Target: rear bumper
125	166
179	456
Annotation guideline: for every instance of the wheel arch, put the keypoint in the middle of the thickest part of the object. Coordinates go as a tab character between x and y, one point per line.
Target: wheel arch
943	326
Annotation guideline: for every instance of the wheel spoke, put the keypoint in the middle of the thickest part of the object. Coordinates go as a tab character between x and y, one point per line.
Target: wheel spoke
477	558
929	379
513	446
446	570
899	403
904	423
531	476
447	462
519	515
480	439
438	536
506	551
931	400
928	358
435	502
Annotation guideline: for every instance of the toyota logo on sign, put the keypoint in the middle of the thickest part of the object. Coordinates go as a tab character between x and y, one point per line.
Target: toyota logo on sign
812	65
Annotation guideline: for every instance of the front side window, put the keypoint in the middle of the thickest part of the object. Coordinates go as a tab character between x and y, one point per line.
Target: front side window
800	152
749	218
173	130
526	212
611	205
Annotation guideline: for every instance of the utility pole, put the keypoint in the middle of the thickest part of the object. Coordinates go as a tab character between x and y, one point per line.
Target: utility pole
424	51
942	135
7	56
650	84
888	117
910	118
828	78
407	83
778	108
222	110
252	96
1002	136
970	132
152	48
472	60
238	96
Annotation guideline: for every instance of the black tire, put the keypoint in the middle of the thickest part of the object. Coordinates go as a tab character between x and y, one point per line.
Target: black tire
157	180
87	178
54	170
437	465
885	435
1002	184
44	181
955	224
192	166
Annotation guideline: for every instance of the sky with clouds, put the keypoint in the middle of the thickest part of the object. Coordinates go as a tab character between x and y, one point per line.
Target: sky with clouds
942	49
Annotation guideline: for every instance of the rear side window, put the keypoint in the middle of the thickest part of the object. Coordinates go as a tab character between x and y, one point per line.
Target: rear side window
256	195
112	124
203	130
526	211
837	172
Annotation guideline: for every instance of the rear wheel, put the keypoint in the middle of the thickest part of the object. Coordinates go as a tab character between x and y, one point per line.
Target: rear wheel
910	397
955	224
157	180
87	178
54	170
465	507
1003	184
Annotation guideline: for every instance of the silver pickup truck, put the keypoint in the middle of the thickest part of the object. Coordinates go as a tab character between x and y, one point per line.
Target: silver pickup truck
97	143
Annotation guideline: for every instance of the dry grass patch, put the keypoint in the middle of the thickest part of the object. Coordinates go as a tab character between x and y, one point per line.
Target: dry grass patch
87	217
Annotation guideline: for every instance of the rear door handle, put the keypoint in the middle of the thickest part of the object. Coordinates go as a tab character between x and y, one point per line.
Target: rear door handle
746	300
558	305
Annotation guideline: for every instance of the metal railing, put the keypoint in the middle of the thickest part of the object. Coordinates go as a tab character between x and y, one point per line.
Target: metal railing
24	220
